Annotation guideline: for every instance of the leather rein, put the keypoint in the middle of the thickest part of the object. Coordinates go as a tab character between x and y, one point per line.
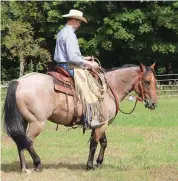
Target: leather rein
138	98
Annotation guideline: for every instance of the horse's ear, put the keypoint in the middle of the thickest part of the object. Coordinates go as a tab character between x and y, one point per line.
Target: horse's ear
153	66
142	67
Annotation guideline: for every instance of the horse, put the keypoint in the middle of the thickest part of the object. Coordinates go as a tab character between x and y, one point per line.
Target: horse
31	100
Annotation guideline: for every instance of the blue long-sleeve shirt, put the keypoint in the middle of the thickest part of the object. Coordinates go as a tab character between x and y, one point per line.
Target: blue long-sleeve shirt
67	47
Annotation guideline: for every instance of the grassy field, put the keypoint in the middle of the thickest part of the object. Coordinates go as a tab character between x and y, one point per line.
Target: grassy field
142	146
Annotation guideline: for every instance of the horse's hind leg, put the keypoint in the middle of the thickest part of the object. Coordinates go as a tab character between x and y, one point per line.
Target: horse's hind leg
34	130
23	164
103	143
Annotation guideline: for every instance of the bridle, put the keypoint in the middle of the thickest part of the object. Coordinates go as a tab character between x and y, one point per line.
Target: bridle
141	97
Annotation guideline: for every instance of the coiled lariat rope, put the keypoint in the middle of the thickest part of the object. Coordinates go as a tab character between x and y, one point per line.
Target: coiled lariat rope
94	86
104	71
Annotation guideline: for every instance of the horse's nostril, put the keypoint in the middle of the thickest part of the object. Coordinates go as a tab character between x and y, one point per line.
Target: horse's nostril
154	104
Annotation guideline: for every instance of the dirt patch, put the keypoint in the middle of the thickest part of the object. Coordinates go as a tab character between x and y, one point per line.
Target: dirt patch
165	173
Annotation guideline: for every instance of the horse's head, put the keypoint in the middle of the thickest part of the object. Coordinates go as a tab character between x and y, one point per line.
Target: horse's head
145	86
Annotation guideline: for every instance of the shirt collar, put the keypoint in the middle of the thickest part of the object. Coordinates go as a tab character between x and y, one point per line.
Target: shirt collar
70	27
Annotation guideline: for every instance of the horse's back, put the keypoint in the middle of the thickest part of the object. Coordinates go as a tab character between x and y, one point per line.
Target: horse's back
35	78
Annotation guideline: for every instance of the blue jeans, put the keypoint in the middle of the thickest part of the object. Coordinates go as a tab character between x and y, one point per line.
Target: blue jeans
65	66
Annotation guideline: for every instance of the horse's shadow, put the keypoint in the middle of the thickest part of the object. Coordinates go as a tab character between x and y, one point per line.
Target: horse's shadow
14	167
10	167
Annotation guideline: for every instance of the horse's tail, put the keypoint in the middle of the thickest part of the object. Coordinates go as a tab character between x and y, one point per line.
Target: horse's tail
13	120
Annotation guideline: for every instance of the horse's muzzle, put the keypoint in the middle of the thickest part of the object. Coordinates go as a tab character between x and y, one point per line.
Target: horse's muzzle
149	104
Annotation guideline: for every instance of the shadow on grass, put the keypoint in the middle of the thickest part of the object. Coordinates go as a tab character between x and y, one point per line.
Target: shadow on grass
11	167
15	166
69	166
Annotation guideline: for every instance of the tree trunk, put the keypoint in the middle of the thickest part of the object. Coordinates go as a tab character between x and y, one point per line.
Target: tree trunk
169	67
22	63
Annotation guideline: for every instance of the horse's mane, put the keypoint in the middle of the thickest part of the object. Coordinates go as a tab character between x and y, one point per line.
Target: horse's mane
122	67
129	66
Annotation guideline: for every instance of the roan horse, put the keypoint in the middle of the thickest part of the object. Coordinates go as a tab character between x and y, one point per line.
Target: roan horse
32	100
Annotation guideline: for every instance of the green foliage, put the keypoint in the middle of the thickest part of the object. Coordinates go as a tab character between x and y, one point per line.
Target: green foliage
18	37
164	48
161	70
20	42
126	32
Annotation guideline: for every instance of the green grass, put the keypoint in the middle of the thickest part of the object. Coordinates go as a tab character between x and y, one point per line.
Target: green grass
142	146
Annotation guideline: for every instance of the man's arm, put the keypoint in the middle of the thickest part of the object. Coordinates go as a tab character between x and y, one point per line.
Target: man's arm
74	54
73	51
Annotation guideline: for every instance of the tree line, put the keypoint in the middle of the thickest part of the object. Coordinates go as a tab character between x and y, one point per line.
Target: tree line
117	33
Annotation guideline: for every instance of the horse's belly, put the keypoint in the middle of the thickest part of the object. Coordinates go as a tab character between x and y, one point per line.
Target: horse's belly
64	111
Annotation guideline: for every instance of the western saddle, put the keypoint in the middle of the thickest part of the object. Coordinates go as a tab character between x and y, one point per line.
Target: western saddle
64	83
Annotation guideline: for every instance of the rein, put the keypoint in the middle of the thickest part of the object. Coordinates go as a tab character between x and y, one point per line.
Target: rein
130	111
138	98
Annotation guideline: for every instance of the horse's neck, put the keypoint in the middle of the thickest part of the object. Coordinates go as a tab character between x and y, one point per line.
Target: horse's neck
122	80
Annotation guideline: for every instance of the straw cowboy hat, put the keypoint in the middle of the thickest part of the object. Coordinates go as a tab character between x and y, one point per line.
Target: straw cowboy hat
76	15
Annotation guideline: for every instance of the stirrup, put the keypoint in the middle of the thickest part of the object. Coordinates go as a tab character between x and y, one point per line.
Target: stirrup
95	124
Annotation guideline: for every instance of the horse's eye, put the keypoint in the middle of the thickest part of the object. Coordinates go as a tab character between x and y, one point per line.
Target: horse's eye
147	83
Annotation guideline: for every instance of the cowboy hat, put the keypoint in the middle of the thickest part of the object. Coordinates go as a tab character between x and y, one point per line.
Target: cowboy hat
76	15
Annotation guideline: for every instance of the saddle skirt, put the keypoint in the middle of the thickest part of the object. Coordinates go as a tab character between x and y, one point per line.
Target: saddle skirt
63	81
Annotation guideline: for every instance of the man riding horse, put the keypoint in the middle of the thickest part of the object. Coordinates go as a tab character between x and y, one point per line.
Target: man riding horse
32	100
67	51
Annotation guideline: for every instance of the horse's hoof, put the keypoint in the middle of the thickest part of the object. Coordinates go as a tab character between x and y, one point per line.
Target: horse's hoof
24	170
38	169
90	167
99	165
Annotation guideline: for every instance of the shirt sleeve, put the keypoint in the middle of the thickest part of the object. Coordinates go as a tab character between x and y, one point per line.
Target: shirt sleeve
73	50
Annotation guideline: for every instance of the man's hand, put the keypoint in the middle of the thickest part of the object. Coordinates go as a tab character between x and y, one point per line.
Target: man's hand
90	63
89	58
94	65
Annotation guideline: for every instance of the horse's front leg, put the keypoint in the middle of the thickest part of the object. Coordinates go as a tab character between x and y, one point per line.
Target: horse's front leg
103	143
93	146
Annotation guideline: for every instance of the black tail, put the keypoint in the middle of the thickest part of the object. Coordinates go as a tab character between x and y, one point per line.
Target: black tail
14	122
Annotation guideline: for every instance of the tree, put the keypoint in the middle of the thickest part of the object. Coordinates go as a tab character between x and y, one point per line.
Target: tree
19	40
117	33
